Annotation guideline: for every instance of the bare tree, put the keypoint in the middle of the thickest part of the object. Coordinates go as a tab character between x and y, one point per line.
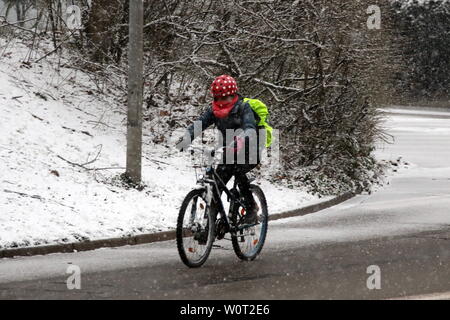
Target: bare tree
314	62
104	34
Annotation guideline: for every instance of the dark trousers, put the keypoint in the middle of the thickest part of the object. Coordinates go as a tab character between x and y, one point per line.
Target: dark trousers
239	171
252	158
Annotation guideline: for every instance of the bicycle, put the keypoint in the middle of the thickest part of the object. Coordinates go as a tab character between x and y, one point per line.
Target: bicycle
198	225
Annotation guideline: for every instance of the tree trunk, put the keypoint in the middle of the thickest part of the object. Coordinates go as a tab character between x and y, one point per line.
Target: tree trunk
135	92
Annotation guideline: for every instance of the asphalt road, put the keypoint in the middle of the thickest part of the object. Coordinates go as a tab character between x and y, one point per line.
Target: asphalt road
409	265
402	229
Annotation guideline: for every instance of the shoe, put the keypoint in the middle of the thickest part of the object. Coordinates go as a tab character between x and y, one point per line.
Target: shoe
201	237
251	216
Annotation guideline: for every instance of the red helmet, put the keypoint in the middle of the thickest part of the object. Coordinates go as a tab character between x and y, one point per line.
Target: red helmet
224	86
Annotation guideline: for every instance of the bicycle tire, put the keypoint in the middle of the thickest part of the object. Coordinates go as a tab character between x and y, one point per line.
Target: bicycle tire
257	191
179	232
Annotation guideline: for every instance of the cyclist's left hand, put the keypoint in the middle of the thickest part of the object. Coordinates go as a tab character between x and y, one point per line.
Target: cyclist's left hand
237	145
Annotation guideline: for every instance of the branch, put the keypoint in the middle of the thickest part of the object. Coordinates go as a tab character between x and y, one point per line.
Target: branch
210	62
37	197
83	165
275	96
277	87
56	47
318	45
231	58
9	24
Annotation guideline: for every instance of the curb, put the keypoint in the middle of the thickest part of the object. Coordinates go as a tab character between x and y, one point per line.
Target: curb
154	237
313	208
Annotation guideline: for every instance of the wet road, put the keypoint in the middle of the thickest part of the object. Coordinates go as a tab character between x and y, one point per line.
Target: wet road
402	230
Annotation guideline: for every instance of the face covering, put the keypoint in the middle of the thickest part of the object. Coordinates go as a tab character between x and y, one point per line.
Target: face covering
222	109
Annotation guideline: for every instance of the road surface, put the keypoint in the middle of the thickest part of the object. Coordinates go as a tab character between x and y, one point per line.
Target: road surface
402	231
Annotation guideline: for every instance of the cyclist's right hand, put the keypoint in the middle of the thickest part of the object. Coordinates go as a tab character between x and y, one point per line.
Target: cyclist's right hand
182	145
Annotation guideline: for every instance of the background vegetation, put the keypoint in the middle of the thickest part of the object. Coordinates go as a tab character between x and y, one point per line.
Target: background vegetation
318	66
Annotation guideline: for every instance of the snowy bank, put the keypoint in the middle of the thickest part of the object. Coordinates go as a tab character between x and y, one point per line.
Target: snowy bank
52	122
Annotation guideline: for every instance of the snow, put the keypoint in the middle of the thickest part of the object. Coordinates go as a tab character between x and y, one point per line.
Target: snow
415	111
415	200
422	140
407	3
49	116
427	123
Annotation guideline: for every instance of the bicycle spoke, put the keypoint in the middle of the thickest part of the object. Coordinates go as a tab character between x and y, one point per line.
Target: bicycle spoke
251	238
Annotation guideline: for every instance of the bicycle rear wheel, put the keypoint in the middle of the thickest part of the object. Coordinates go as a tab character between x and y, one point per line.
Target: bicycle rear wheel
195	230
248	242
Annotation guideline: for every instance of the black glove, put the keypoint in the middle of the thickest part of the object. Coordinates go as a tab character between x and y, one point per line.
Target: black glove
182	144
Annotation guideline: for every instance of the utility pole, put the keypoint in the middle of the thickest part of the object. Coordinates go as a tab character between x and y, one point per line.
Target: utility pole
135	92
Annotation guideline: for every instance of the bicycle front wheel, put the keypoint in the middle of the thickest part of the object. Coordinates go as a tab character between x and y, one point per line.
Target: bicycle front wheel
248	242
195	229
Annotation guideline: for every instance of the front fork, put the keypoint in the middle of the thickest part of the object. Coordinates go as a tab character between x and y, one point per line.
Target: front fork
213	198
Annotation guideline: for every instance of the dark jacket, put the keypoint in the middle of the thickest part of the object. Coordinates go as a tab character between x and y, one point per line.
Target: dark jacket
240	117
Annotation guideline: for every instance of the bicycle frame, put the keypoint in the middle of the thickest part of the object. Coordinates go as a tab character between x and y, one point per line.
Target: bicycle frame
212	182
207	224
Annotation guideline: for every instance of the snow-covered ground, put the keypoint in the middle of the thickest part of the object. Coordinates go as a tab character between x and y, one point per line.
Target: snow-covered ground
415	199
419	111
413	131
51	119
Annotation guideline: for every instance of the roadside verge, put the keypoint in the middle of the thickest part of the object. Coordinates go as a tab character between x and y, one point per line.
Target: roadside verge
154	237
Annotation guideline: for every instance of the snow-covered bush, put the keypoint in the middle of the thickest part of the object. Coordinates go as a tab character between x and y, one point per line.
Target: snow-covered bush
314	62
424	30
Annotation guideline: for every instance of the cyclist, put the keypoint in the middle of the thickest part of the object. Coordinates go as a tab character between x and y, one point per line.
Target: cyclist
230	112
